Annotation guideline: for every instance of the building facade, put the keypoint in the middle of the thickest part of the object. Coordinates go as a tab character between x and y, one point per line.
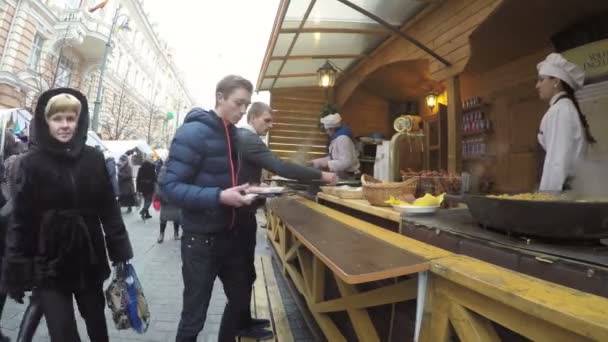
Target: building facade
54	43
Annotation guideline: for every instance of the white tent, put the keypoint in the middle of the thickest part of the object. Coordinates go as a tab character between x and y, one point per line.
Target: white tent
18	116
163	153
119	147
94	140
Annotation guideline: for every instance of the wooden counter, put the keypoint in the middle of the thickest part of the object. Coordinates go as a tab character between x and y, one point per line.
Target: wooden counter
362	205
355	256
462	296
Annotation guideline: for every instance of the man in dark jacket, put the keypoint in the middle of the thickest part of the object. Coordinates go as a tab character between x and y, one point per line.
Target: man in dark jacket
202	179
256	156
145	182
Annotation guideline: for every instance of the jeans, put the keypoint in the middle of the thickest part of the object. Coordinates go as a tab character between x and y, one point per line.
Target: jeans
247	225
58	311
30	320
205	257
147	202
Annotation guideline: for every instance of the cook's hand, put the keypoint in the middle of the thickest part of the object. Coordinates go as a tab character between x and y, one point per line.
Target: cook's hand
329	178
236	196
320	163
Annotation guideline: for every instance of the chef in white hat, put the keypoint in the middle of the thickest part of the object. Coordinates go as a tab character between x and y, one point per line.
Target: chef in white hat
343	158
564	132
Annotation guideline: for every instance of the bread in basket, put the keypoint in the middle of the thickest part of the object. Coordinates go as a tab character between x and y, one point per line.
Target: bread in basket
377	192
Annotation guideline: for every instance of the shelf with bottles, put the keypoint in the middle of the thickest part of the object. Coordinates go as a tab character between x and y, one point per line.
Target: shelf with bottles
476	123
472	104
475	148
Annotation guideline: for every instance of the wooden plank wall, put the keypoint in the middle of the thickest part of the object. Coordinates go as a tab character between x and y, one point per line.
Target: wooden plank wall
445	30
367	113
515	111
296	122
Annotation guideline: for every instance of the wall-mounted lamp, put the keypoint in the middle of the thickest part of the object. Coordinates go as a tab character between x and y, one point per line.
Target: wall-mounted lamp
431	100
327	75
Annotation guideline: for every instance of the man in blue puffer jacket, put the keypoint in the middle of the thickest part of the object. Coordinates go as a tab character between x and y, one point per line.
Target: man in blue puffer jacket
201	178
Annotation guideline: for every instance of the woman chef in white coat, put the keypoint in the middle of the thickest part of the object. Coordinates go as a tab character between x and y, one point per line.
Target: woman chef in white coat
343	157
564	132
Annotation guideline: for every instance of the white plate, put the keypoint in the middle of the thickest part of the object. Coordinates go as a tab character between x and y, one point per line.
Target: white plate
266	189
416	210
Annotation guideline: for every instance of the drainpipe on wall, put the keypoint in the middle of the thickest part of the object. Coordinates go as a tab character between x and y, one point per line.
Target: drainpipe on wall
9	33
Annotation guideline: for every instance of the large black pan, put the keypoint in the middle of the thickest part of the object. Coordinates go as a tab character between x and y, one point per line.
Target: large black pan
546	219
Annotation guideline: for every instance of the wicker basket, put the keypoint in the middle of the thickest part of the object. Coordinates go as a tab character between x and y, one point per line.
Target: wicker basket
376	192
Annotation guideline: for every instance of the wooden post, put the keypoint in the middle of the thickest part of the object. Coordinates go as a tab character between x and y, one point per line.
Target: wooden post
454	125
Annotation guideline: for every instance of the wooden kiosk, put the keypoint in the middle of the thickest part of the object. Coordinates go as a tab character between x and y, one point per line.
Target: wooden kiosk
362	281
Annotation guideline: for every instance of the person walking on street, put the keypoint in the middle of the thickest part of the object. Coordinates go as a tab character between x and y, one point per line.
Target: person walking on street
168	211
33	313
112	173
125	184
146	181
66	221
255	157
202	179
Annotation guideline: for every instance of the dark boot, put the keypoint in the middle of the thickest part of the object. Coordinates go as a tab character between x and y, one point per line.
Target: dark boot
2	302
30	320
129	210
176	230
257	334
161	236
147	213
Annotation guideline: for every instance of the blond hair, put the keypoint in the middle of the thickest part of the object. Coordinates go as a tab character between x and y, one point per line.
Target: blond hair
257	109
62	103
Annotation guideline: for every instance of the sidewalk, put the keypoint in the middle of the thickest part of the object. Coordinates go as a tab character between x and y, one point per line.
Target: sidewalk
159	269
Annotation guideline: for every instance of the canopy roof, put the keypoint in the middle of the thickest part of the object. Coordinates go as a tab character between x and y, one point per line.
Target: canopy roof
119	147
309	32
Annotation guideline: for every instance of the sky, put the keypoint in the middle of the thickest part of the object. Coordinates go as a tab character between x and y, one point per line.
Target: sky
212	39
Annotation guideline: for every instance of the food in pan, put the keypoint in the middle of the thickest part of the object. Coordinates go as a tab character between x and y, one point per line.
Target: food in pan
532	196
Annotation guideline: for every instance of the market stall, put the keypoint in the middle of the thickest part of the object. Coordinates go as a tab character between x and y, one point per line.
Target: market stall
453	95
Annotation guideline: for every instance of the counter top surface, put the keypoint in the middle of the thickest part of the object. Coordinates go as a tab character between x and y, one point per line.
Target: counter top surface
364	206
356	257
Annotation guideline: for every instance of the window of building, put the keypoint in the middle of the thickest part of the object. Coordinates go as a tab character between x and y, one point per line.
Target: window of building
36	51
71	4
64	72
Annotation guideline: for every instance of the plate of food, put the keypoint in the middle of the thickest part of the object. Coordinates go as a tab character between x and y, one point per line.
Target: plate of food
416	210
428	204
267	191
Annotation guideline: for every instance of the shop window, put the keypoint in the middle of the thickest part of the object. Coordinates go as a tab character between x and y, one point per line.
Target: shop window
36	52
64	72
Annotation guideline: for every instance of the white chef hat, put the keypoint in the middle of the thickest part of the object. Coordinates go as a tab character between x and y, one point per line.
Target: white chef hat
555	65
332	121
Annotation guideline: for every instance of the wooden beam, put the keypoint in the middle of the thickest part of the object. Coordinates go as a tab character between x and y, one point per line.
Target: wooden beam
283	6
525	323
311	5
470	326
375	50
361	322
396	31
454	125
293	57
279	315
378	31
291	75
395	293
